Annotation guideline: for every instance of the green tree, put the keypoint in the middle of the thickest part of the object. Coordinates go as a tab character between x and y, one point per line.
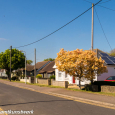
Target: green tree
29	62
49	59
17	60
112	52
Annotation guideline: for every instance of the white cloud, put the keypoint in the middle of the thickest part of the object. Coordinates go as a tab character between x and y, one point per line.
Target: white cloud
2	39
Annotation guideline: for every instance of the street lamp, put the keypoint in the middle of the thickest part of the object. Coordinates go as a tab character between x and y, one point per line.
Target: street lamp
25	66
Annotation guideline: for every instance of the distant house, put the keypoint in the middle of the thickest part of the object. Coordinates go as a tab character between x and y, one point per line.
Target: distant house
109	62
3	73
30	68
48	70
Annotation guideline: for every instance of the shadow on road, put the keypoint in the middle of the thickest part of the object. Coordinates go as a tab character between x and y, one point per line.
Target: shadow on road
34	102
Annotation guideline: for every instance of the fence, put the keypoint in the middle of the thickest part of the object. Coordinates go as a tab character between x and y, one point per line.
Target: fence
23	79
44	81
59	83
108	89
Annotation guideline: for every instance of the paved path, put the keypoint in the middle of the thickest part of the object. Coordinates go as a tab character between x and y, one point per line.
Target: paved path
61	92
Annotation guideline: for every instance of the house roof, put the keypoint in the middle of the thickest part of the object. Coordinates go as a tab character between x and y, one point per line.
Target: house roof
28	67
1	70
109	60
48	68
39	66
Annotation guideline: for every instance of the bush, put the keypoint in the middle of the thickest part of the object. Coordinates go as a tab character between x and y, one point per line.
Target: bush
23	75
52	77
39	76
15	78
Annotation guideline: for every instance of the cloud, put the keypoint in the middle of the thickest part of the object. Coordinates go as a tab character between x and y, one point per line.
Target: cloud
2	39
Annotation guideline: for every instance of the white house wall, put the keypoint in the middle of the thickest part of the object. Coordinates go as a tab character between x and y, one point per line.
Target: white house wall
69	78
111	72
62	78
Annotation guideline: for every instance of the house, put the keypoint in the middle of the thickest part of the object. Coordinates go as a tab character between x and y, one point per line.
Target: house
109	62
48	70
3	73
30	68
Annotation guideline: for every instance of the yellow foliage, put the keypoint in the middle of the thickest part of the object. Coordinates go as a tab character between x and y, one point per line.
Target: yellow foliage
80	63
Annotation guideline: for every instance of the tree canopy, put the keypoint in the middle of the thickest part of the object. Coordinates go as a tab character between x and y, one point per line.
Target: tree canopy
49	59
17	60
112	52
29	62
80	63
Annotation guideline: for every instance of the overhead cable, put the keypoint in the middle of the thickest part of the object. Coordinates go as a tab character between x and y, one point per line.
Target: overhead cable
106	7
60	27
102	28
105	1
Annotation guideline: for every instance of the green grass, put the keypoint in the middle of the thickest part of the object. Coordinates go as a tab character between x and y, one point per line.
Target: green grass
40	85
99	93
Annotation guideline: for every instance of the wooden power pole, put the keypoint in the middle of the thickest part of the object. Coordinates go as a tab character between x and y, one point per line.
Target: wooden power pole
10	60
35	66
92	27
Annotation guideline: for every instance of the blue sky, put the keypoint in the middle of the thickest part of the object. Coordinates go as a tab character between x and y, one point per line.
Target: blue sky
26	21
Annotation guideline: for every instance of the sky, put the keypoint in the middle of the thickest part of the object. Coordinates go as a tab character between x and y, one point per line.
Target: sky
25	21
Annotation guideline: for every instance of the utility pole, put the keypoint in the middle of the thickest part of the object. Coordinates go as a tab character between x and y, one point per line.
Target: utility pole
92	27
10	60
25	70
35	66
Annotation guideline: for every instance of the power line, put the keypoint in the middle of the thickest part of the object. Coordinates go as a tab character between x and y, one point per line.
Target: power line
105	1
106	8
60	27
102	28
100	5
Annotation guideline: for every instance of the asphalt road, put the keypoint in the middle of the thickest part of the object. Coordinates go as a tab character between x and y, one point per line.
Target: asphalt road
16	99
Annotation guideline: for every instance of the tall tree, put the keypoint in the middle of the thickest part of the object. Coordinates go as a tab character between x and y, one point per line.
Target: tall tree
79	63
29	62
112	52
49	59
18	60
93	65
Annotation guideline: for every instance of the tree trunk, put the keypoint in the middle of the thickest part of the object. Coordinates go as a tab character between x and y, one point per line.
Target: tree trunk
80	83
91	82
8	76
8	73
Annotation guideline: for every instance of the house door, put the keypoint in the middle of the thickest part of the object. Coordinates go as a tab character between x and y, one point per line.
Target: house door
73	79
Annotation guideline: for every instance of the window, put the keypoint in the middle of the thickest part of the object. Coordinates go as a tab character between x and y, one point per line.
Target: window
111	78
65	75
59	74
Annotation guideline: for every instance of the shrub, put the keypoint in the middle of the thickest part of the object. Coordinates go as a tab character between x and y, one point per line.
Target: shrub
15	78
39	76
23	75
52	77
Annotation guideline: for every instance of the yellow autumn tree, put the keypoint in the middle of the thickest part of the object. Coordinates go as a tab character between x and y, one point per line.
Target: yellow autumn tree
79	63
71	63
94	66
